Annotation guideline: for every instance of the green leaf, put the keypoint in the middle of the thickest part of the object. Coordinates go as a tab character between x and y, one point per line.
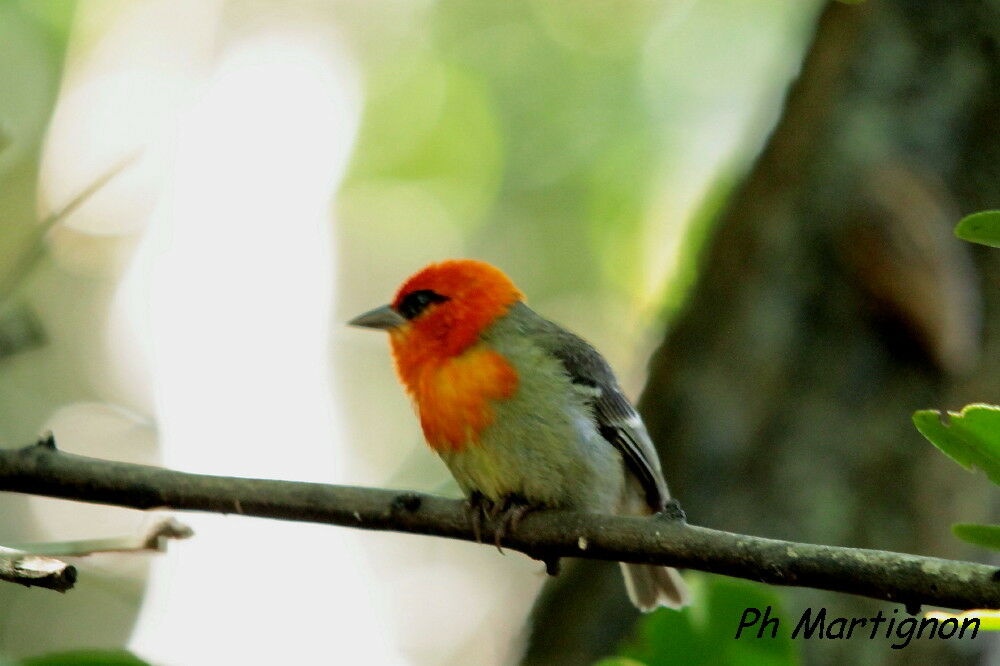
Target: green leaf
983	228
702	634
987	536
618	661
970	437
86	658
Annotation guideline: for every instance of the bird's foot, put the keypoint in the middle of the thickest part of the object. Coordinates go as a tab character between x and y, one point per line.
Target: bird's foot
672	511
478	507
508	516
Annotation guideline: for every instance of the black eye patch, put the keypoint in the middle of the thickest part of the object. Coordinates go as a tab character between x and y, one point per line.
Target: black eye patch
416	302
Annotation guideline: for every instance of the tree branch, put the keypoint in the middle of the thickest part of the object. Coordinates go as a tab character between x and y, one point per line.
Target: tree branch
35	565
36	571
41	469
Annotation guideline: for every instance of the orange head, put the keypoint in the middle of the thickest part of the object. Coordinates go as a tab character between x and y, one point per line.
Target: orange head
437	315
443	308
450	303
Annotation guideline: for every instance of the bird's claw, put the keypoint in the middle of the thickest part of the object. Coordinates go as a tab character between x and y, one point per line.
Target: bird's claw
508	517
477	506
504	516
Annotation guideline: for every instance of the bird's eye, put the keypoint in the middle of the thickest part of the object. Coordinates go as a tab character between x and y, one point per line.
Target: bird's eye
416	302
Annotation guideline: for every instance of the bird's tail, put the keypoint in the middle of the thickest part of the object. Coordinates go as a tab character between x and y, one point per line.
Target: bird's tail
650	586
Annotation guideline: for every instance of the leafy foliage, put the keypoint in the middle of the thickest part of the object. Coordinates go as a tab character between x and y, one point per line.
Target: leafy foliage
703	632
970	437
982	228
987	536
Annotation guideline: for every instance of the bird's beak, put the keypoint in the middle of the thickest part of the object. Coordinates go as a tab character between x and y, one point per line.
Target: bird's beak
384	318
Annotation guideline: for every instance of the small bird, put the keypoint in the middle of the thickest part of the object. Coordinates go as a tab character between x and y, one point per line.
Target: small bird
525	414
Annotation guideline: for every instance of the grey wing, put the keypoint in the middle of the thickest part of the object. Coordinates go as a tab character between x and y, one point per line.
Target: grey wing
621	425
616	419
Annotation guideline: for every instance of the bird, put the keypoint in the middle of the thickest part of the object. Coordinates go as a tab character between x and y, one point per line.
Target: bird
525	414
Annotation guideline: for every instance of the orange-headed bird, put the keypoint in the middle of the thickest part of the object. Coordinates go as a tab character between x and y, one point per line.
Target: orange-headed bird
525	414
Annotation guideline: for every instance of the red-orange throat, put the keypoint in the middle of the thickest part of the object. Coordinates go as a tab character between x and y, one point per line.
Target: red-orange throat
454	395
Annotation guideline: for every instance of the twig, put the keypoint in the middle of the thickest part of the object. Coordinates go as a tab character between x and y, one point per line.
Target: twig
155	540
34	565
545	535
20	329
35	571
35	249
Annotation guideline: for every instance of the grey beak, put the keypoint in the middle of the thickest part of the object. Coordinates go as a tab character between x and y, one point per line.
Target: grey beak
384	318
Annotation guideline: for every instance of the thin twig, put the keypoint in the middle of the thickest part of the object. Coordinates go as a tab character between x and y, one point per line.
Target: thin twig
35	571
35	565
155	540
912	580
29	256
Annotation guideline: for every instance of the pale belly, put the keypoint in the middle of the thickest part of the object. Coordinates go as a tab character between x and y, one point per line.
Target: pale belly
552	459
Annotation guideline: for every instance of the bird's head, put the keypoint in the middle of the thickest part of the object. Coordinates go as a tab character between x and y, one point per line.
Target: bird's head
442	309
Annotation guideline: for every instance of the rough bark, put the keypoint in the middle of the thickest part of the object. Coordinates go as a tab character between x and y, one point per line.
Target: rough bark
832	302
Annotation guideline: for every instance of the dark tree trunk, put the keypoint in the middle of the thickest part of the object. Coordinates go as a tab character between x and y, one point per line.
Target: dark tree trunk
833	302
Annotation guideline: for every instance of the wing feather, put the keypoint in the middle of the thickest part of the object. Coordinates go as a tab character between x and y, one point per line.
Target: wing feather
614	415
